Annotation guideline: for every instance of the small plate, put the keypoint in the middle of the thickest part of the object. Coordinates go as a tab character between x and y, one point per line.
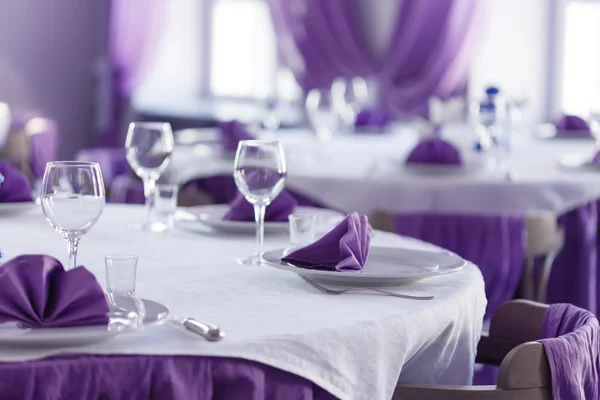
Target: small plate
11	335
386	266
198	218
17	208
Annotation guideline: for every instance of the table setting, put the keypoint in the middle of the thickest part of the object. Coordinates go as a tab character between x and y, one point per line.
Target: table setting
321	289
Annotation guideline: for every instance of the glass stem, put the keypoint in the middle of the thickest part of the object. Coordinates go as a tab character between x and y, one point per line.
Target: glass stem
148	192
72	246
259	216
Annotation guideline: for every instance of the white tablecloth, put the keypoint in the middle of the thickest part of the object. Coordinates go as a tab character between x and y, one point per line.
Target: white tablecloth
365	172
355	345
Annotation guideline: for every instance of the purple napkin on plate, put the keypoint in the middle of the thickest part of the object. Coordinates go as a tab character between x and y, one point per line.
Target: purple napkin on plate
14	187
434	151
569	125
344	248
278	211
37	292
371	118
232	132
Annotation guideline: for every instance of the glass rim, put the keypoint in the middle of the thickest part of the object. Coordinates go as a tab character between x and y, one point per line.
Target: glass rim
73	163
149	124
300	215
120	256
256	142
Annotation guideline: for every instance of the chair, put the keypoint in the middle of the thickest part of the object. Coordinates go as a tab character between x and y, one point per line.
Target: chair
525	370
32	142
535	237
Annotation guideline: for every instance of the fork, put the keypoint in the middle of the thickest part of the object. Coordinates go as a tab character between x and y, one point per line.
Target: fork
336	292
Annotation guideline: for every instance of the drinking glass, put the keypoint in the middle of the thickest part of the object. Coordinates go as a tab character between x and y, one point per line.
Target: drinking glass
164	207
321	114
121	272
348	99
303	228
149	147
72	198
259	172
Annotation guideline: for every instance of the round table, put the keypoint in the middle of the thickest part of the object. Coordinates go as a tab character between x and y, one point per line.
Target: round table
355	346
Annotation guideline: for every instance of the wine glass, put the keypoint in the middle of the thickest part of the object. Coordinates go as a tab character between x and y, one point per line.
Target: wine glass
348	99
149	147
72	198
259	173
321	114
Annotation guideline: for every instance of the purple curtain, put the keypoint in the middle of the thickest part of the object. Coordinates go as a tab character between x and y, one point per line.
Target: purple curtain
135	27
429	52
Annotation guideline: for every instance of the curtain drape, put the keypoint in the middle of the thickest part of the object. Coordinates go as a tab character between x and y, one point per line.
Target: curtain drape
134	29
428	55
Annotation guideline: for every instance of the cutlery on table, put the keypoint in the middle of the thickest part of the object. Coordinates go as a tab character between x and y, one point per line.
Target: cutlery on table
210	332
342	291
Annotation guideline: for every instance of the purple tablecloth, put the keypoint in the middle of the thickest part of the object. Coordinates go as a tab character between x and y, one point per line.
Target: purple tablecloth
495	243
152	377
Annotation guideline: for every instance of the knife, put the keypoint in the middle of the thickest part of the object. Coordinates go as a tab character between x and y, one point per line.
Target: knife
210	332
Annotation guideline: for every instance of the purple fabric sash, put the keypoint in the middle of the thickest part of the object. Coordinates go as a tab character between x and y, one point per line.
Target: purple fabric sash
571	338
495	243
152	377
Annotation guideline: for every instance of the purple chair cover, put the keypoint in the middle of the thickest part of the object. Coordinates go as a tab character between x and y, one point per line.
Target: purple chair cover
495	243
127	189
14	188
279	209
569	125
152	377
39	293
232	132
429	55
372	118
113	161
571	338
434	151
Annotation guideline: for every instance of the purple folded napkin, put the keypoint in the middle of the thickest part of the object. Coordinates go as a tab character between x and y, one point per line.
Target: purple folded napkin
278	211
371	118
14	187
37	292
232	132
344	248
434	151
568	125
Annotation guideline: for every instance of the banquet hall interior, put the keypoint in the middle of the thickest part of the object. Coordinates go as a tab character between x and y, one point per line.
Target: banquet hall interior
299	199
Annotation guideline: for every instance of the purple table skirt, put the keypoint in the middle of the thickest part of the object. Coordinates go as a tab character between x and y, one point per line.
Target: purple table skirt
152	377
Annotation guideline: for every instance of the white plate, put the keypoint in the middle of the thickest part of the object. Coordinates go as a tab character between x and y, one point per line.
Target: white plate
386	266
198	218
578	161
17	208
11	335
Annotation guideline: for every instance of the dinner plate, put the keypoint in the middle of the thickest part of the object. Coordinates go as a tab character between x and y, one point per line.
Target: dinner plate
578	161
198	218
386	266
17	208
12	335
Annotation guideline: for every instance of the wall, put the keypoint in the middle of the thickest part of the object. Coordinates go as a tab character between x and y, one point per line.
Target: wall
514	53
47	54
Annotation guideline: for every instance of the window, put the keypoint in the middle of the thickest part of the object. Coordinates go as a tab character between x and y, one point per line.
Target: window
218	48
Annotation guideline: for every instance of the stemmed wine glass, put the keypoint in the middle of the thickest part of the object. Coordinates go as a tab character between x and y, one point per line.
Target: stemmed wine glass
72	198
149	147
321	114
259	172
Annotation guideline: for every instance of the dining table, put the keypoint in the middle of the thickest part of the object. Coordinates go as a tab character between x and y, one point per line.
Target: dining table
366	172
281	333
